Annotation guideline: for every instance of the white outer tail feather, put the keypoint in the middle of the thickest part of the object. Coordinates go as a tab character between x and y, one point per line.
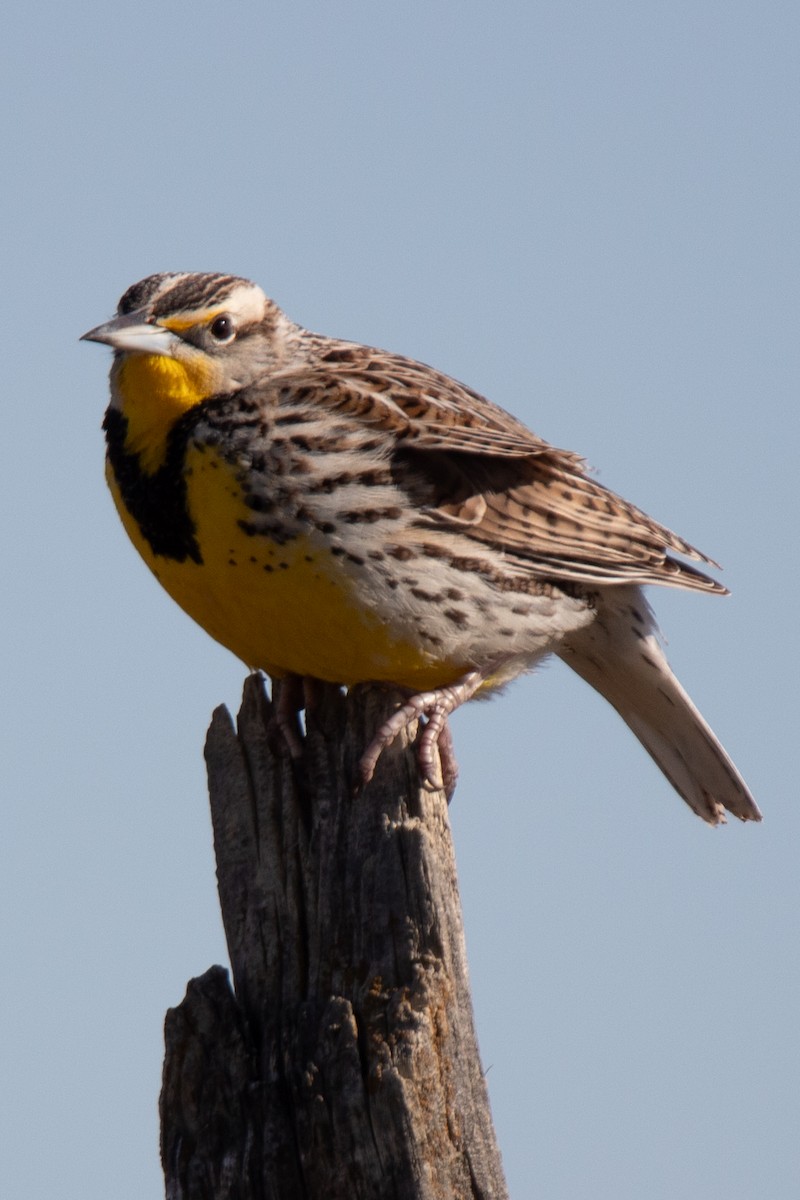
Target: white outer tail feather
620	656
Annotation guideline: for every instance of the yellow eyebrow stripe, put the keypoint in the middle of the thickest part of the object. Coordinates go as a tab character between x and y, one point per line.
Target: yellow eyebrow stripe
179	324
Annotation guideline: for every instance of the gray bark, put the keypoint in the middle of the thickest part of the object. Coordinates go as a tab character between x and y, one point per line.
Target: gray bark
344	1064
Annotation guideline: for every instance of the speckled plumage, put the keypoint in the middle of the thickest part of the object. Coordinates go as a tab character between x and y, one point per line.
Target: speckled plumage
358	516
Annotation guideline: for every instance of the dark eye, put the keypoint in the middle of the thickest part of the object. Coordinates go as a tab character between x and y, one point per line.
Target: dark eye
222	329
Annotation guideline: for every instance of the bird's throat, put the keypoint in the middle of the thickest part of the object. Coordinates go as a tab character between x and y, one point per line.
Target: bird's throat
153	391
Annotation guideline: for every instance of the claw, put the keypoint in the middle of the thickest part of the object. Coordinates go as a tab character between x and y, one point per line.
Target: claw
436	706
291	700
296	692
447	759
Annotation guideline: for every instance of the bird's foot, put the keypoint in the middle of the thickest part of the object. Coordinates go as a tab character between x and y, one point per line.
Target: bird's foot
436	706
295	694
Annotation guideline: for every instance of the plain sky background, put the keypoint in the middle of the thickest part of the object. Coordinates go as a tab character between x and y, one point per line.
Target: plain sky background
588	211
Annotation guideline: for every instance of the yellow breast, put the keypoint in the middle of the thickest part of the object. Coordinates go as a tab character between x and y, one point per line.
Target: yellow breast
289	608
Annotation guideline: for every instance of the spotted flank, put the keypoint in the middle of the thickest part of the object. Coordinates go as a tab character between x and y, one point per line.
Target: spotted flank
331	511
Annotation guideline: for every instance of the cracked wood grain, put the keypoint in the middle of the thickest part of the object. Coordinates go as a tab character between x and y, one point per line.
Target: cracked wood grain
344	1061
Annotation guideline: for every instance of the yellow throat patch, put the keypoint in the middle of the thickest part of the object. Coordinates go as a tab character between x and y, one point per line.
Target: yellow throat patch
155	390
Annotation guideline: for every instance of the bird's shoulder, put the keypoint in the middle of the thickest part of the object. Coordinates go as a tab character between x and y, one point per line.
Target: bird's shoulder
466	462
408	400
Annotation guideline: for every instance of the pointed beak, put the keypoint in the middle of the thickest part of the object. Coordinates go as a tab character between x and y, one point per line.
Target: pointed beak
133	333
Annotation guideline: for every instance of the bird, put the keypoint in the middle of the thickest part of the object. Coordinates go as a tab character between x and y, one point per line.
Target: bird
331	511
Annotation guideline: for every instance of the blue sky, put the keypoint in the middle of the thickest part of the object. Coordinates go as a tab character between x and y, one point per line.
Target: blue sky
588	212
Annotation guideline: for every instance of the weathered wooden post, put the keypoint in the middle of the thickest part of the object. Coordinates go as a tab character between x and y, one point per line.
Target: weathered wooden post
343	1065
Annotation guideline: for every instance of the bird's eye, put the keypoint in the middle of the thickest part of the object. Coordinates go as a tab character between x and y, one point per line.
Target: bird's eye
222	329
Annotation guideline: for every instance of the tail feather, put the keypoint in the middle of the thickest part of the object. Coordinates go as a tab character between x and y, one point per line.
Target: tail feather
620	656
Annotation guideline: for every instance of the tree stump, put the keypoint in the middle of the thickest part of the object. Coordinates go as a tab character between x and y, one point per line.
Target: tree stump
344	1063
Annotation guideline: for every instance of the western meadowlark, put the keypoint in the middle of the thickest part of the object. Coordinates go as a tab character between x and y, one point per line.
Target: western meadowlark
331	511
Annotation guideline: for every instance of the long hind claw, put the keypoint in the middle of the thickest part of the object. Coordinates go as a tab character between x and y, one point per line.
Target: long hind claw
290	702
436	706
447	759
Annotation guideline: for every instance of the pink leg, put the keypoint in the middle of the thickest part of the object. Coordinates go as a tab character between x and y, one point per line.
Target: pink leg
437	706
